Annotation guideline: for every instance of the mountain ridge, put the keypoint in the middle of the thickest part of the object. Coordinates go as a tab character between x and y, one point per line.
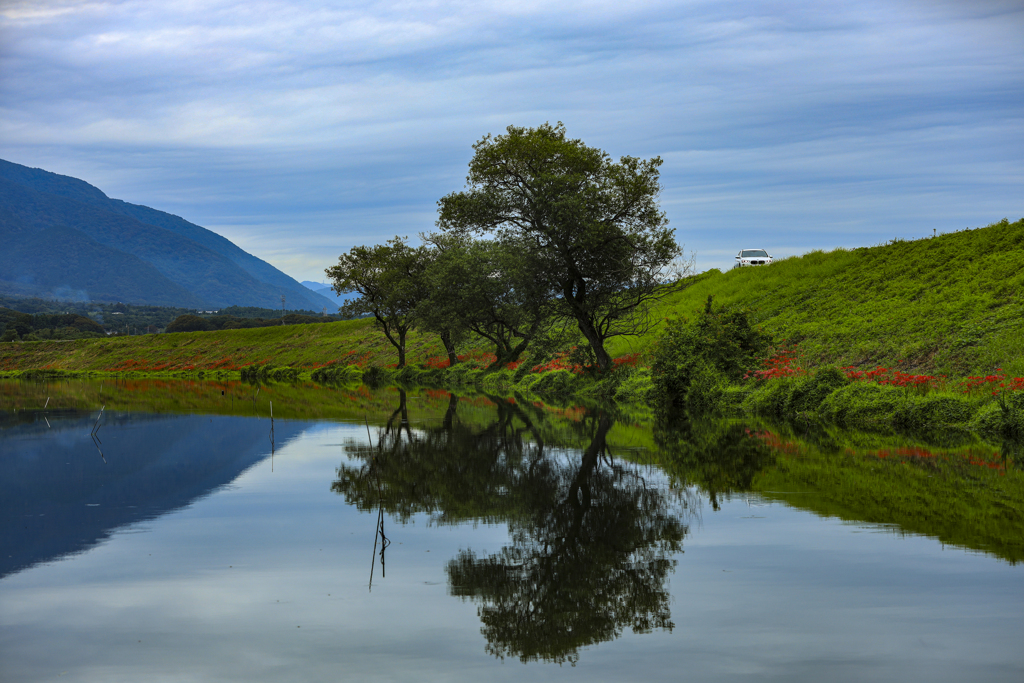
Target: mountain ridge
188	265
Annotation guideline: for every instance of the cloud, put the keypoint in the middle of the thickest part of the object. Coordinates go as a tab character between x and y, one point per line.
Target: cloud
347	121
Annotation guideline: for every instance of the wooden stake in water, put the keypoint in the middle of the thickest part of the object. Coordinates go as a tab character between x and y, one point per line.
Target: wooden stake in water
97	425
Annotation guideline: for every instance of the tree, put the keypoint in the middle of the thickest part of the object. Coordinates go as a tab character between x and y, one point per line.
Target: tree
189	323
490	288
593	226
389	280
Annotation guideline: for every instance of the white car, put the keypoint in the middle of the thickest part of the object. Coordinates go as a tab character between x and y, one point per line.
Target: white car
753	257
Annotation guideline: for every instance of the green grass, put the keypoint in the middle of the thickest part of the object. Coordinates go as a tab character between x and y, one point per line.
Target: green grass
300	346
947	305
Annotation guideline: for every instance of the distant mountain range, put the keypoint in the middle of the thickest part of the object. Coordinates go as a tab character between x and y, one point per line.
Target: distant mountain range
326	291
64	239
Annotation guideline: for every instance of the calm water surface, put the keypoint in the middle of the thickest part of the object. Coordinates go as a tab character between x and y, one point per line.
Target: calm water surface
472	541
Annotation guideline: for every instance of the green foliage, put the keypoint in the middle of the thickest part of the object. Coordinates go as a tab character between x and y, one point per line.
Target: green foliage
390	281
19	325
489	288
789	396
934	409
593	224
378	377
555	384
635	388
337	374
260	374
189	323
720	345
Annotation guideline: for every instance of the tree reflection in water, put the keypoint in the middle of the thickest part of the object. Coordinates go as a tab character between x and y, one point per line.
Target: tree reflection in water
591	537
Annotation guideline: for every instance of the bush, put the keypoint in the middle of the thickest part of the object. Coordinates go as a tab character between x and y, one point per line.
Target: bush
933	409
707	384
378	377
498	382
724	340
857	402
557	384
790	395
636	388
526	384
808	392
337	374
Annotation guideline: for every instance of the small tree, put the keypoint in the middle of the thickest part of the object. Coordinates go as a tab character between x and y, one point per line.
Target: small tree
592	226
489	288
389	280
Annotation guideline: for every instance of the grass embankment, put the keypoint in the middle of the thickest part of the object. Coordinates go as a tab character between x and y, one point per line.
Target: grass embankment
949	305
307	347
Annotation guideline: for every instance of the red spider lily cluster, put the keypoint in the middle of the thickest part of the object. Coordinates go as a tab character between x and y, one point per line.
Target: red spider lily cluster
352	358
779	364
562	362
559	362
629	360
996	384
196	362
896	378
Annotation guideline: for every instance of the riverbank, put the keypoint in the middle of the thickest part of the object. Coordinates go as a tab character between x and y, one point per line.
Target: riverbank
945	308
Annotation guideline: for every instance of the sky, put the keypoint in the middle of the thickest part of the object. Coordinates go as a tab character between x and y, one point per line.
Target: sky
299	129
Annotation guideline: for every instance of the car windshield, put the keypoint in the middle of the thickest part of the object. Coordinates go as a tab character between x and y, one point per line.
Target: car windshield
754	253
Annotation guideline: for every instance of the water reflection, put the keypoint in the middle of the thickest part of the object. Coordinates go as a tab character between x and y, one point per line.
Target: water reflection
60	499
591	537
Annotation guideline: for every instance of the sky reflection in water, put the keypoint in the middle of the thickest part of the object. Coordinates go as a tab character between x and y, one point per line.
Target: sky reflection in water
231	566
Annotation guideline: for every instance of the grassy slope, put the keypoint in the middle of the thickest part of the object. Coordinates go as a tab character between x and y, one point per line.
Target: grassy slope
948	305
292	345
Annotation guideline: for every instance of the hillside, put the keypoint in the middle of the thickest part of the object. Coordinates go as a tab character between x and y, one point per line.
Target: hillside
945	305
949	305
66	239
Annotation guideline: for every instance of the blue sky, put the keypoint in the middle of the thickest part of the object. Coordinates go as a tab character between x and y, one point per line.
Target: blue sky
300	129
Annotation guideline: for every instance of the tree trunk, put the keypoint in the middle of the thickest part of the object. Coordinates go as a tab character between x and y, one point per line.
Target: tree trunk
401	349
604	361
449	347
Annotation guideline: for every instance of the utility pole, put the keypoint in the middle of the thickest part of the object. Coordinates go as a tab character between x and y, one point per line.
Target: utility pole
282	309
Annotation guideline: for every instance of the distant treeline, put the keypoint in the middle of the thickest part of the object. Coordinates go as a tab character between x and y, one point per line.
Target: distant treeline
195	323
15	325
37	318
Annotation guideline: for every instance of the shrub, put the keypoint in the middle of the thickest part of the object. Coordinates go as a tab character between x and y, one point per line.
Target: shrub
377	377
498	382
336	374
724	340
809	392
557	383
862	403
707	384
933	409
636	388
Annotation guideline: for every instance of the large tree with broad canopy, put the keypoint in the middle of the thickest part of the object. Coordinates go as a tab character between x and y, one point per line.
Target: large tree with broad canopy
593	225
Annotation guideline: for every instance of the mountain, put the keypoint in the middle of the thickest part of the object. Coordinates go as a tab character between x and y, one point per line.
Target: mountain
65	238
326	291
